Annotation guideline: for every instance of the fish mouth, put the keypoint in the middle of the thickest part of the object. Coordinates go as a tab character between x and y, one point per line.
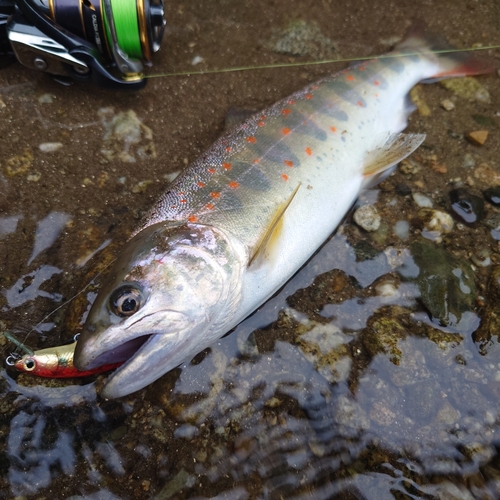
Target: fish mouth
120	354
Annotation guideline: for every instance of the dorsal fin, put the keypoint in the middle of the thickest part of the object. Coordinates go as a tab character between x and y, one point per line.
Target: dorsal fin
396	148
272	232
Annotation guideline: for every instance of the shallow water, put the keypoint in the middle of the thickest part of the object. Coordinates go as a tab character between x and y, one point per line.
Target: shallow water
362	378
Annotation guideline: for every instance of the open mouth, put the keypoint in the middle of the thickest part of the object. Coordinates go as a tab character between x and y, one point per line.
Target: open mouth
120	354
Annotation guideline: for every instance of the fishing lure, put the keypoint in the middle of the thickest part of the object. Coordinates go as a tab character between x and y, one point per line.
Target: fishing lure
52	362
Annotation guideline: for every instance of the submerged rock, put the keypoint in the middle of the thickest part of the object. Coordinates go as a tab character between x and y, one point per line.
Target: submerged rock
467	206
446	283
492	195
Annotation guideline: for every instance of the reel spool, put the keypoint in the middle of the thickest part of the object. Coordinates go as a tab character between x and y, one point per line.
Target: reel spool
61	37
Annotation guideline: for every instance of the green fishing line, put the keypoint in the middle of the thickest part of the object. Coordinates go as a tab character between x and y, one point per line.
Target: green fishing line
127	27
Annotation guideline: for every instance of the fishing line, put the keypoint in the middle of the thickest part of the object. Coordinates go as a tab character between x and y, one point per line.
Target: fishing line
22	345
313	63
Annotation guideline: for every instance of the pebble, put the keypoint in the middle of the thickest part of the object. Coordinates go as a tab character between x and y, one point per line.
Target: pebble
402	229
469	161
197	60
447	104
46	98
422	201
367	217
492	195
481	258
50	147
469	207
477	137
436	222
467	87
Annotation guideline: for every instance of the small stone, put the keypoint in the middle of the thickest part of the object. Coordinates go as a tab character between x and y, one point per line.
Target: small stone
469	207
402	229
467	87
141	186
417	97
436	223
367	217
34	177
422	201
403	189
50	147
481	258
487	174
492	195
447	104
197	60
477	137
409	166
19	164
46	98
469	161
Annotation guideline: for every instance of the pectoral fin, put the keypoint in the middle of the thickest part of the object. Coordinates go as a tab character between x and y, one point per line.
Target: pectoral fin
270	237
396	148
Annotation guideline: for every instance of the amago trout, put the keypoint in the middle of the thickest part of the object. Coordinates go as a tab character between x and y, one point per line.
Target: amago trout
247	214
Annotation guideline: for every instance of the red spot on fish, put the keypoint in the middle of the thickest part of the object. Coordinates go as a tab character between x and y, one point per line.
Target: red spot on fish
285	131
209	206
286	111
291	101
251	139
376	82
376	95
183	201
350	78
284	176
261	124
201	184
360	104
333	129
362	68
215	194
227	166
309	151
193	218
315	87
212	170
228	149
256	160
308	96
234	185
288	163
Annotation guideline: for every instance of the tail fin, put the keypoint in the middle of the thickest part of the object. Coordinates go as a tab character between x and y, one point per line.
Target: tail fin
451	62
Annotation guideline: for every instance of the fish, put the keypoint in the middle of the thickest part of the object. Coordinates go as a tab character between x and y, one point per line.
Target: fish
57	362
250	211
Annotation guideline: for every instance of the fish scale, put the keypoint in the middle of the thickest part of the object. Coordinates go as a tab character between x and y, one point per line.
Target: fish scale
245	216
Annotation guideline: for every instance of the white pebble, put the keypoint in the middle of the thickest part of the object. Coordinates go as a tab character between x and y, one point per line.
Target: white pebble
422	200
402	229
447	104
196	60
50	147
367	217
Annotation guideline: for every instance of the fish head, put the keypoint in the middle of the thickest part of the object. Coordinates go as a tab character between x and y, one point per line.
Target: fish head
162	298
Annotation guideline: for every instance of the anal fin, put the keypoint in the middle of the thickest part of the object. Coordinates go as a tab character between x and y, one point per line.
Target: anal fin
396	148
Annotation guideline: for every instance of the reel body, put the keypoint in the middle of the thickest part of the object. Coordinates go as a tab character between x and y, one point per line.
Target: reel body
104	41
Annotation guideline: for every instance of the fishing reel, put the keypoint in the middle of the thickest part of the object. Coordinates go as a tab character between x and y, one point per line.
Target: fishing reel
107	42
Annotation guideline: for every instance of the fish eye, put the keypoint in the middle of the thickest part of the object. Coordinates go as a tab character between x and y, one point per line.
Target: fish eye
30	364
125	301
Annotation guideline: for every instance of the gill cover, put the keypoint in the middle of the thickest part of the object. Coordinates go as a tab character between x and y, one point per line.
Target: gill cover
160	304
